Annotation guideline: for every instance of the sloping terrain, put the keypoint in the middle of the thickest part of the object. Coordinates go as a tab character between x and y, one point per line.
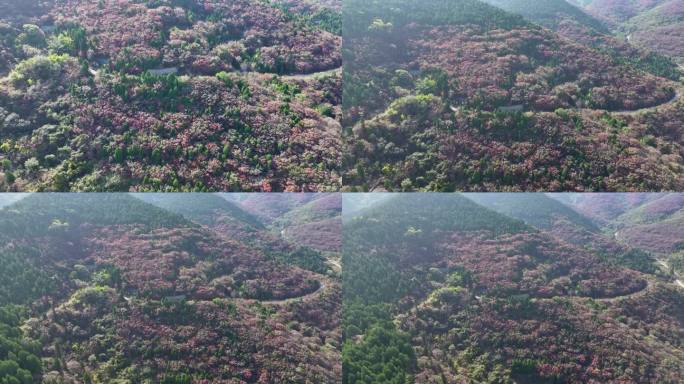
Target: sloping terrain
442	290
603	207
653	24
649	223
357	204
9	198
661	233
170	95
304	243
577	25
619	10
112	289
317	224
308	219
561	220
551	13
537	210
269	206
464	96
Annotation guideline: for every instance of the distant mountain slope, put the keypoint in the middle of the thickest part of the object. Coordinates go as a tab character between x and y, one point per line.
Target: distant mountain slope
269	206
550	13
316	224
660	29
653	222
577	25
652	24
10	198
604	207
658	208
200	207
618	11
307	219
323	206
562	221
536	209
656	226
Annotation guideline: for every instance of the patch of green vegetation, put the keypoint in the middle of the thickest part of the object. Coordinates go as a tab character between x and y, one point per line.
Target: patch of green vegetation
39	67
383	356
19	362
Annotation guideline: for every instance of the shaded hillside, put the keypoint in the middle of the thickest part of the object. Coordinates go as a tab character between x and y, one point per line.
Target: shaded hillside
550	13
535	209
202	208
121	290
9	198
463	294
353	204
484	100
228	220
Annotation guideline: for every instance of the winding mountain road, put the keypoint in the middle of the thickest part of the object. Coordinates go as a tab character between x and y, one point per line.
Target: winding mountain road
291	299
678	93
632	295
312	74
679	90
667	267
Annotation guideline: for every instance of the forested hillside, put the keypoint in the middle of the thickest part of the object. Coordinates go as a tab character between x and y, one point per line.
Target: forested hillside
578	25
438	289
462	95
170	95
550	13
316	224
354	205
9	198
108	288
652	222
655	24
537	209
564	222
